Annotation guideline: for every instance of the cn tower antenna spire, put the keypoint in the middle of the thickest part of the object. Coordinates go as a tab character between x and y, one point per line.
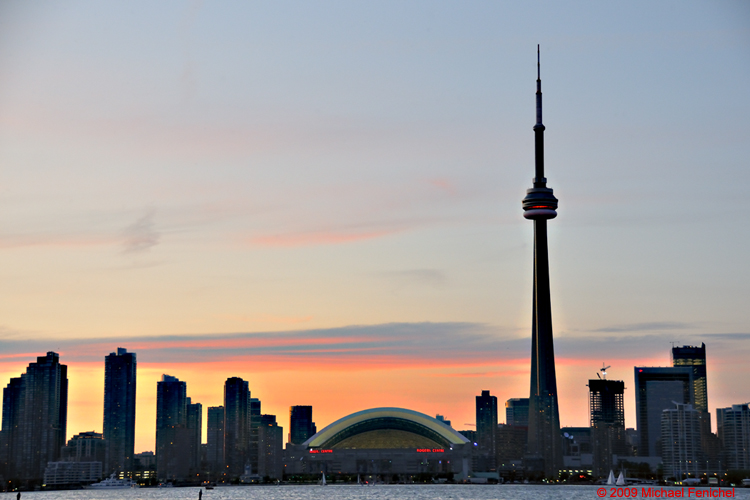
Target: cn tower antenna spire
538	65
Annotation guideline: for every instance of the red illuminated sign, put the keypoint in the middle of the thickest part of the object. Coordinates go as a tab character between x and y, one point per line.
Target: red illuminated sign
430	450
321	451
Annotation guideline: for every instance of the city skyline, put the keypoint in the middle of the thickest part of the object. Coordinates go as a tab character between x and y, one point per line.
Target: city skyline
331	197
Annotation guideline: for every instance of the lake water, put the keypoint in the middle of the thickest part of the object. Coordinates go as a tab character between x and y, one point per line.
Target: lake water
344	492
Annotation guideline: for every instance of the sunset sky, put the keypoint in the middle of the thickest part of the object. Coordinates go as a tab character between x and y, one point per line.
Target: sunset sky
324	198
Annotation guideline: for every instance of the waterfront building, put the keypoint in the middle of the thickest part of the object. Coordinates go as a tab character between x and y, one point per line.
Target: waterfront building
57	474
656	390
734	431
119	410
35	411
544	455
681	442
85	447
215	438
607	421
236	425
510	447
174	457
194	423
254	447
486	421
517	412
271	447
383	443
301	425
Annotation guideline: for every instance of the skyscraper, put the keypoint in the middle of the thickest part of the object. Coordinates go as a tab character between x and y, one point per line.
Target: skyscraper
271	446
607	423
681	442
35	411
734	430
119	410
695	357
215	438
544	446
486	414
656	390
236	425
194	424
517	412
301	425
172	456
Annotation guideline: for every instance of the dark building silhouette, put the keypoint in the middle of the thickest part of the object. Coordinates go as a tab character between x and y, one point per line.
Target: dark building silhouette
486	414
215	438
301	425
119	410
607	420
271	447
544	453
35	410
194	424
511	446
85	447
656	390
236	425
517	412
173	454
254	448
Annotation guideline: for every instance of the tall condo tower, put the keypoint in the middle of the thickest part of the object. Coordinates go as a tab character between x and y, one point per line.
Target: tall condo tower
544	446
119	410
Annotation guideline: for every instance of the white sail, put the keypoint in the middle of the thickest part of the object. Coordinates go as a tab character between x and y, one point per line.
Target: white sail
621	480
323	481
611	478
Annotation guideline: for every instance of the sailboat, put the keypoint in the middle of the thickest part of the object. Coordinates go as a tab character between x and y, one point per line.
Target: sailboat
359	482
611	478
323	479
621	480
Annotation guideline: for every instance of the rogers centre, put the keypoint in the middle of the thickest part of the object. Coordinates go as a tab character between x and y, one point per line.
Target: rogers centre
382	441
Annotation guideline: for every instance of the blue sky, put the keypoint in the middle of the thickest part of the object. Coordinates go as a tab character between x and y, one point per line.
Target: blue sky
209	169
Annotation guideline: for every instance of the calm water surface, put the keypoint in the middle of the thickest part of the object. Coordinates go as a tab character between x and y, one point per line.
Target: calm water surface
333	492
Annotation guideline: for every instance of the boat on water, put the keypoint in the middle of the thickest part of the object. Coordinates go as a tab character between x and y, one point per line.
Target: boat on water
113	483
323	480
611	478
621	480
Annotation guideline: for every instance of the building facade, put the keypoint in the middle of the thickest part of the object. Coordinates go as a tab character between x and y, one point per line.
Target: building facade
119	410
734	432
486	421
681	442
85	447
301	425
517	412
215	438
172	449
236	425
271	448
35	410
656	390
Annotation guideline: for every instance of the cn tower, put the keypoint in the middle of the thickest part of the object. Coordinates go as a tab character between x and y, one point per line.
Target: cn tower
544	454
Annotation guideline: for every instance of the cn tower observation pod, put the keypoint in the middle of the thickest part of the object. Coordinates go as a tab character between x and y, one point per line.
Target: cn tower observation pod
381	428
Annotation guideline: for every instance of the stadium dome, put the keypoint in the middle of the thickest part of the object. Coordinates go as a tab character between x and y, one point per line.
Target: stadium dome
386	428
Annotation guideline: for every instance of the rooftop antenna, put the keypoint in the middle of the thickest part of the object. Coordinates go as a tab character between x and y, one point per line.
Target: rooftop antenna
604	369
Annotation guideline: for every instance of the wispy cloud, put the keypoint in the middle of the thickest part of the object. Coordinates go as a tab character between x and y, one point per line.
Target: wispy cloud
655	326
140	236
